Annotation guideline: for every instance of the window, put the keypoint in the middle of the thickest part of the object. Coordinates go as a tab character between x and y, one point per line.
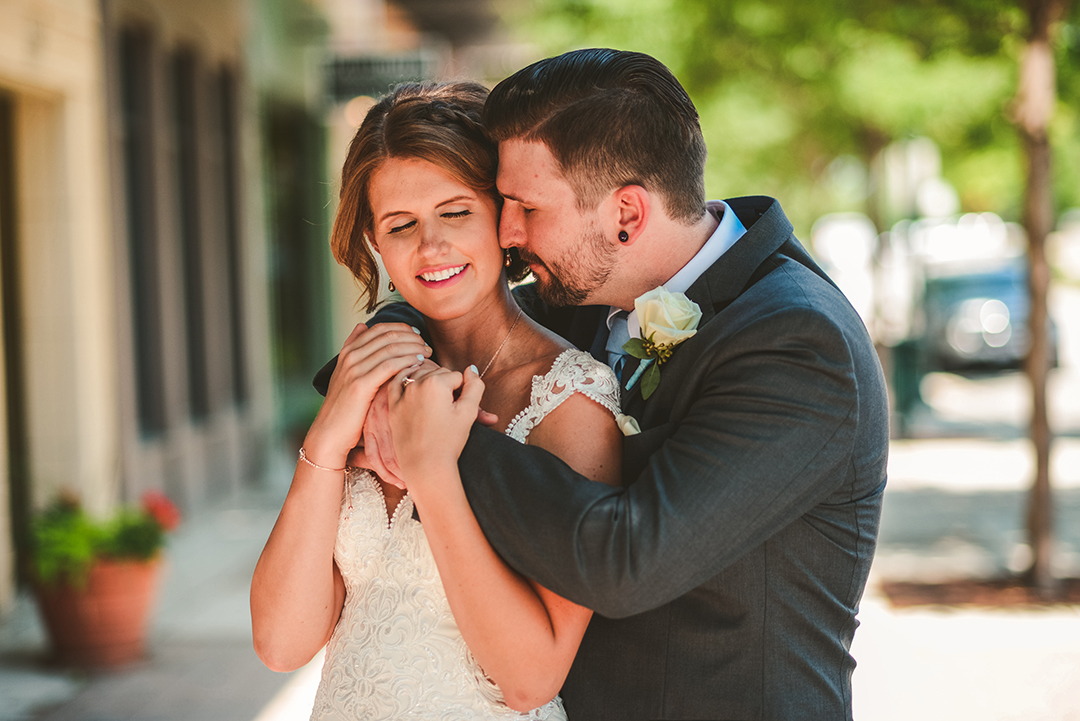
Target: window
227	91
185	107
142	227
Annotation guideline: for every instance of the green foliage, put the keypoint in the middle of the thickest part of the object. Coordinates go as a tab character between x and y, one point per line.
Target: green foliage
940	97
786	87
132	535
636	348
650	380
66	541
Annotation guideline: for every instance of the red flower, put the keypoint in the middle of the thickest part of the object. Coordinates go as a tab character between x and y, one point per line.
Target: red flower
158	505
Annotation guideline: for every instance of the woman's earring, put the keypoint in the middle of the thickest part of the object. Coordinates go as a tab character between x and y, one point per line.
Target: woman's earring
507	258
391	286
623	236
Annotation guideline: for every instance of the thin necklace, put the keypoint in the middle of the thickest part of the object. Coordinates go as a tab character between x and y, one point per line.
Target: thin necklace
501	345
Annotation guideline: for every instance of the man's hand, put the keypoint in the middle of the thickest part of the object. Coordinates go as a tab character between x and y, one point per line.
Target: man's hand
378	444
431	412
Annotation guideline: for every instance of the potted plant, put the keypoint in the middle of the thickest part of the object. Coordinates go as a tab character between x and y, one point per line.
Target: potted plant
96	580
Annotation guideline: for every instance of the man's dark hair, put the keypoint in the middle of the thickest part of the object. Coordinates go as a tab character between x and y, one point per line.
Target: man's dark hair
610	118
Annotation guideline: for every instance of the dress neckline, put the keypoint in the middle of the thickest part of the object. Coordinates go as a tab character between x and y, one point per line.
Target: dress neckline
389	519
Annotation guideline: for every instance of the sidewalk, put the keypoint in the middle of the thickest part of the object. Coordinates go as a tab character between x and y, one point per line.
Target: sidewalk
201	665
954	507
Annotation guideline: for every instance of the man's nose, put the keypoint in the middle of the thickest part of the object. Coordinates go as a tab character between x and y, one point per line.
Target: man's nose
511	226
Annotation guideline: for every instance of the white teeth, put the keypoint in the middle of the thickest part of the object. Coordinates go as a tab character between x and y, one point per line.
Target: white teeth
442	274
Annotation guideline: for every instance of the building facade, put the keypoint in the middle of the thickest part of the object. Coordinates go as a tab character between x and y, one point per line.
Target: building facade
137	323
167	181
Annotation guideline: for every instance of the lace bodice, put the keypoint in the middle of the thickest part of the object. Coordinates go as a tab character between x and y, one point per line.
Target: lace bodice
396	652
572	372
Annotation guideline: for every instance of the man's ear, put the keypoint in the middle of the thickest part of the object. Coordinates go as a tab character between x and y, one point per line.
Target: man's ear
632	205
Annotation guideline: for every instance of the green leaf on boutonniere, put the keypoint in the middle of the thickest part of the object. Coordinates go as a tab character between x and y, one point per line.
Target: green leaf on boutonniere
650	380
636	348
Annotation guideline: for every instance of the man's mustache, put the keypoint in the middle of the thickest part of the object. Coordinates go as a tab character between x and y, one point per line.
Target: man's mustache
530	258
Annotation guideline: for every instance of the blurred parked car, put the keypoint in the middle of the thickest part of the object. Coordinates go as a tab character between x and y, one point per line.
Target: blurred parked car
978	320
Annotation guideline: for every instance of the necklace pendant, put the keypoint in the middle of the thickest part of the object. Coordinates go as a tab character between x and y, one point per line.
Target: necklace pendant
496	354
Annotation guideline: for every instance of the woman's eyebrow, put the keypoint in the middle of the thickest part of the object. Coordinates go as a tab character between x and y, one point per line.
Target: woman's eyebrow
455	199
391	214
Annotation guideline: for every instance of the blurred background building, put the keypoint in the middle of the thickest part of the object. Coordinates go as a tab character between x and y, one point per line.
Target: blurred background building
166	188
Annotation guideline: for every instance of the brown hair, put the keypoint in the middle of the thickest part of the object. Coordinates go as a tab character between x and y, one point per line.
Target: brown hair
610	118
437	122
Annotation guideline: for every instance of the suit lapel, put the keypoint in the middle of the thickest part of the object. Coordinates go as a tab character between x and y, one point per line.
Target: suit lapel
767	229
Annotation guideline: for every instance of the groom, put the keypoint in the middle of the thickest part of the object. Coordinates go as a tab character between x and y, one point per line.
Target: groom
727	571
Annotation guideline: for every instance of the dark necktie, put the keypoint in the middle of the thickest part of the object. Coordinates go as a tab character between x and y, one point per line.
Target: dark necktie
616	338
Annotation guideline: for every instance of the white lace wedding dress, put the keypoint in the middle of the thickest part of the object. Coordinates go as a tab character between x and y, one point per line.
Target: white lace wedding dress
396	652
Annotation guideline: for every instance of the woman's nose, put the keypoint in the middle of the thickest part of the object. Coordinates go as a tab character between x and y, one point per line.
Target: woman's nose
431	241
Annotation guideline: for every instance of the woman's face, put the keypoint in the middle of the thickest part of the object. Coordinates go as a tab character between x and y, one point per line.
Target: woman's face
438	238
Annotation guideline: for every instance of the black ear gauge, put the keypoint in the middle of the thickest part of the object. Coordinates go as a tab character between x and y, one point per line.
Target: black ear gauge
623	236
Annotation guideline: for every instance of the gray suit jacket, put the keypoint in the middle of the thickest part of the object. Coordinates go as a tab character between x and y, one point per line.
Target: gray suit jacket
727	572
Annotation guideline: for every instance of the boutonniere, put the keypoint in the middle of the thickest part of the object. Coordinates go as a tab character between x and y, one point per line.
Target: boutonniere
667	319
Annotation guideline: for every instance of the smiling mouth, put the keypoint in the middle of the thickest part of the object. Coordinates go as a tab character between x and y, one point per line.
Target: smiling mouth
444	274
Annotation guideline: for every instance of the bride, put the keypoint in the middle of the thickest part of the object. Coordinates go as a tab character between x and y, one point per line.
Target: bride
420	617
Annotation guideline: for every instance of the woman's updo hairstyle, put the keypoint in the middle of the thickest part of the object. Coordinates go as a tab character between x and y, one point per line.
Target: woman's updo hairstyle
436	122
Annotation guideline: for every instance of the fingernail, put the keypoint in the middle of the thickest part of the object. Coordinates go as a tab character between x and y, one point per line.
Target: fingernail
427	348
415	330
419	357
473	369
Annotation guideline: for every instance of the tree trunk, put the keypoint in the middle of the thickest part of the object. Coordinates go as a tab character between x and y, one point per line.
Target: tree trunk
1035	99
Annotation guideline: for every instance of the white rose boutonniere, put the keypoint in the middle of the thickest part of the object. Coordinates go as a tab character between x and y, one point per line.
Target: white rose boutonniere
667	319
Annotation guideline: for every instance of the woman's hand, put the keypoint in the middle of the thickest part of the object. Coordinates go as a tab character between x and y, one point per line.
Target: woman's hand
431	412
368	359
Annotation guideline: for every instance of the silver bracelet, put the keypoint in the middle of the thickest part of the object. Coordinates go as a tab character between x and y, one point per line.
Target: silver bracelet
305	459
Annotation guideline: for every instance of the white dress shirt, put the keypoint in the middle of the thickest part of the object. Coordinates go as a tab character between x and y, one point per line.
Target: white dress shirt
729	230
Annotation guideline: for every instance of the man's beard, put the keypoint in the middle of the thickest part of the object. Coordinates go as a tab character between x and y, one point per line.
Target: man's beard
571	284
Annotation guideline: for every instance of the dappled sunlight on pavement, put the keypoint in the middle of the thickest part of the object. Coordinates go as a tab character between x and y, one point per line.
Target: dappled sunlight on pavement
978	464
935	664
955	509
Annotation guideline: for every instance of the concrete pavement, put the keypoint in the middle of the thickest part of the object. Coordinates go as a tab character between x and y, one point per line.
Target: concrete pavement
954	507
201	666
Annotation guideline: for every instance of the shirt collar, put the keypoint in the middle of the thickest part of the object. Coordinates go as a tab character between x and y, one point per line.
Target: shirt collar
729	230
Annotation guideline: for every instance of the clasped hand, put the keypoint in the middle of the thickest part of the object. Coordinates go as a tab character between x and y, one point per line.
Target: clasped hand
432	409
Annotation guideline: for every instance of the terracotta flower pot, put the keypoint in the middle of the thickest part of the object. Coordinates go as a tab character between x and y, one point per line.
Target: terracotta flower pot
104	623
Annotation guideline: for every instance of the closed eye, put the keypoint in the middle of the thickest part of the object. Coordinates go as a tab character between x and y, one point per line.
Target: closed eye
458	214
406	226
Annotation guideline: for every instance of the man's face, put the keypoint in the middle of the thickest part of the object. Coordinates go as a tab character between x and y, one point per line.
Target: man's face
565	248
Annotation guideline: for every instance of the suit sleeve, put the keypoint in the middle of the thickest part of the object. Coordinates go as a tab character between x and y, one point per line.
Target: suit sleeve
768	435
